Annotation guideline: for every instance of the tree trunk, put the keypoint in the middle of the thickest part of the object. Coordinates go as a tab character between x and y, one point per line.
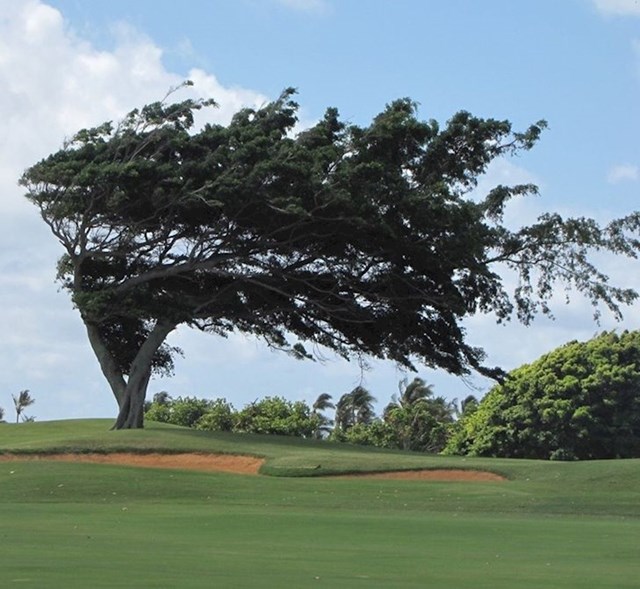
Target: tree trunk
131	414
108	365
130	393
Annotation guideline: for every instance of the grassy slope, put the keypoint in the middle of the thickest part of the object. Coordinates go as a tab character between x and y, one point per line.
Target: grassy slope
597	487
77	525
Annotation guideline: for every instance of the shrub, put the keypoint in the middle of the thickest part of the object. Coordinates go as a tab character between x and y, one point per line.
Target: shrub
275	415
581	400
220	416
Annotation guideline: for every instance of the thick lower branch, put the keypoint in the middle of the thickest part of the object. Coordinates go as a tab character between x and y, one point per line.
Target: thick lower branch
108	365
130	392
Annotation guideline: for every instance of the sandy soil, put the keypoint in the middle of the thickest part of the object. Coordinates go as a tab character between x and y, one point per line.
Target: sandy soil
241	465
202	462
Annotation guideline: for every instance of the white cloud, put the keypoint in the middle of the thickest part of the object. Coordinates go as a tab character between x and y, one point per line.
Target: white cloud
229	100
55	82
622	173
618	7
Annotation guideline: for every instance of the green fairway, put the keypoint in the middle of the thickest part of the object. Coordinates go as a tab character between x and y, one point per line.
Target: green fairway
560	525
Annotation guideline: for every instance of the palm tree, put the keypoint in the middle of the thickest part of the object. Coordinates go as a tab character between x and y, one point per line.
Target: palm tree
322	403
345	417
419	419
354	407
21	402
362	404
416	391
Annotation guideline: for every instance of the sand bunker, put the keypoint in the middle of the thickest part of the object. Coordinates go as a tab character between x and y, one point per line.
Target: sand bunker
241	465
201	462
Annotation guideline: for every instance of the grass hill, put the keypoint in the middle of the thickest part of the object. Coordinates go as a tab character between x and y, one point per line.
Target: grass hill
551	524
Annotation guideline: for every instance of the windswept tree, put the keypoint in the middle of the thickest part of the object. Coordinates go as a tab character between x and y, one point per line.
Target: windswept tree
363	239
345	415
362	402
320	405
417	420
354	407
410	393
21	401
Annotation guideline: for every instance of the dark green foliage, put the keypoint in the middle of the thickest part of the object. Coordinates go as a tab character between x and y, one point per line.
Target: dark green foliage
362	239
468	405
270	415
375	433
416	420
579	401
423	427
275	415
185	411
220	416
158	412
355	407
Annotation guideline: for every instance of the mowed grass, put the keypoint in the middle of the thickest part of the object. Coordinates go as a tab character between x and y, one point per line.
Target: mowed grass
559	525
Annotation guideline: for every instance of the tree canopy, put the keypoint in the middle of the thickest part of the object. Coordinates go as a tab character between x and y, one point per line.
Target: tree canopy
364	239
580	401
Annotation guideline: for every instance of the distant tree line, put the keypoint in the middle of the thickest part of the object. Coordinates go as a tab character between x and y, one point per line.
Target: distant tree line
580	401
270	415
415	419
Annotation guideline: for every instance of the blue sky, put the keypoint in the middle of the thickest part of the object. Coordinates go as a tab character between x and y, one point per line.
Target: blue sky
65	64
